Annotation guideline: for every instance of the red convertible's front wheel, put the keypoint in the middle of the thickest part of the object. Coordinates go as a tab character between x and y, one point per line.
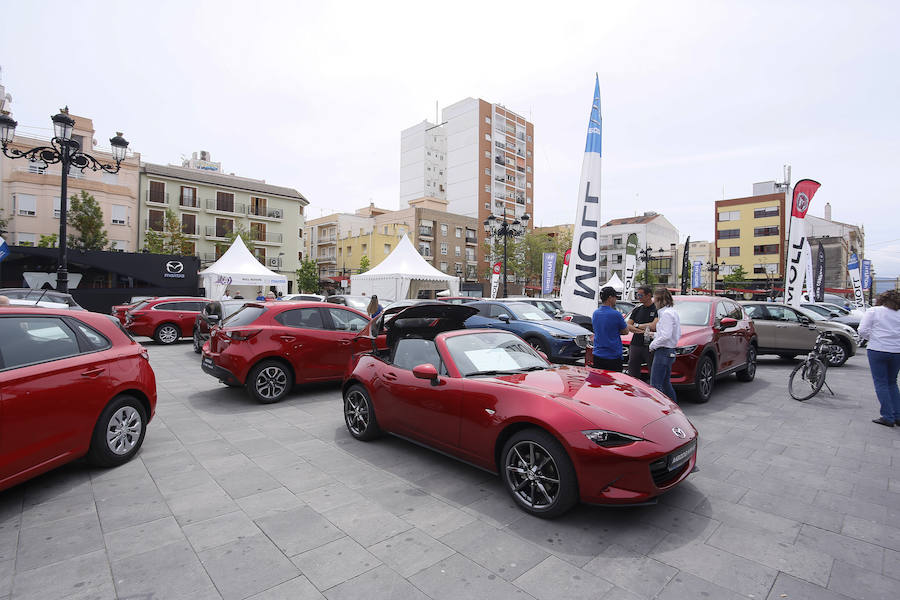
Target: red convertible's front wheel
538	473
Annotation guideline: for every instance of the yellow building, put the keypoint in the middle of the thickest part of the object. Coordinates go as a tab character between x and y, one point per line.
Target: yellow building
750	232
376	244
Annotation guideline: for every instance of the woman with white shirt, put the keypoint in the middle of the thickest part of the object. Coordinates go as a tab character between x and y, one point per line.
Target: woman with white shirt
665	340
881	326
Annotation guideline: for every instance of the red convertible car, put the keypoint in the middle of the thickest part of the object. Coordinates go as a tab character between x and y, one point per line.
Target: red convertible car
555	434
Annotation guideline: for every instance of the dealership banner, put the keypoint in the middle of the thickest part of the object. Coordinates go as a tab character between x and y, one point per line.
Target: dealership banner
866	274
794	273
685	265
565	267
819	282
807	262
580	291
495	278
853	267
548	272
697	274
630	266
4	249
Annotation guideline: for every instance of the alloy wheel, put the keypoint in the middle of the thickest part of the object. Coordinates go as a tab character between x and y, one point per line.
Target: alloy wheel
168	334
837	355
271	383
123	430
704	378
356	412
751	362
532	474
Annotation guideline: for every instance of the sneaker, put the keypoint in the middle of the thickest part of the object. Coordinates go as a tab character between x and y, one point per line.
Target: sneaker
883	421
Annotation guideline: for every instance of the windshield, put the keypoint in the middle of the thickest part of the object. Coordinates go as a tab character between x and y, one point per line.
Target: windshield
812	314
139	305
244	316
838	309
818	309
493	354
693	313
527	312
357	303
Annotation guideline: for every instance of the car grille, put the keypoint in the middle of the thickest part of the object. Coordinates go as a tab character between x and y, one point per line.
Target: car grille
662	473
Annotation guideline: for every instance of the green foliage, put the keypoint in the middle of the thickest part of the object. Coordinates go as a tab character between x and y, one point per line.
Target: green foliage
308	276
737	275
175	241
641	277
3	221
85	216
232	235
154	242
364	263
49	241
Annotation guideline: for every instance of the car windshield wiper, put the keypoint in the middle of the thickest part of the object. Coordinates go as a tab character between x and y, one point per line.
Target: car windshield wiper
532	368
508	372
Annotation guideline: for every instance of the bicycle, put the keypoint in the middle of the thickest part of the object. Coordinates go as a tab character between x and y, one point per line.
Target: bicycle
808	377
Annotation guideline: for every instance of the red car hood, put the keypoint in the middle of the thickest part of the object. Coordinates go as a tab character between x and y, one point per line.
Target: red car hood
616	400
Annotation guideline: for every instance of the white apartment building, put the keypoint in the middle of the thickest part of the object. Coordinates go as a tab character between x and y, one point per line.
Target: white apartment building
322	239
654	232
423	162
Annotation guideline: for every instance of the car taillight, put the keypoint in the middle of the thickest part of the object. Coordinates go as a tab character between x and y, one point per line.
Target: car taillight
242	335
567	318
145	355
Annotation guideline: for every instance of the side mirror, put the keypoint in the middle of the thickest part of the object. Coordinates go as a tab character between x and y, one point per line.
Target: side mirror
354	327
212	318
727	322
504	317
556	313
834	314
426	371
804	320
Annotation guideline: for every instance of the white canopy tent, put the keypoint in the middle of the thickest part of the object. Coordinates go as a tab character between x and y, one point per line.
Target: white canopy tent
239	267
401	275
615	283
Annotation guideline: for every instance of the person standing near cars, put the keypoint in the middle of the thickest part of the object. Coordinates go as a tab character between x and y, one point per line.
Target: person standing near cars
609	326
665	340
374	309
642	318
880	325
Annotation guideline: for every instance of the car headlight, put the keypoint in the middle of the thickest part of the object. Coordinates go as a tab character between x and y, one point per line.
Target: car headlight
610	439
685	349
563	336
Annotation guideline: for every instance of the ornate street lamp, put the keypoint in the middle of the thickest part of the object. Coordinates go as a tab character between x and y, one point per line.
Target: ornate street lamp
495	227
645	256
714	269
63	149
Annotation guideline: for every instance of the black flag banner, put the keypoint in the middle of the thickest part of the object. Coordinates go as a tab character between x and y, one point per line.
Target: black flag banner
819	276
686	266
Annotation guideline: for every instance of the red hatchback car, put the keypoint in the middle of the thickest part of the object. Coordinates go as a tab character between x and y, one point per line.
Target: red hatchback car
268	347
555	434
72	383
166	320
717	339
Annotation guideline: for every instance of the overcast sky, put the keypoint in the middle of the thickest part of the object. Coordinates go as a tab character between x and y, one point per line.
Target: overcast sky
699	99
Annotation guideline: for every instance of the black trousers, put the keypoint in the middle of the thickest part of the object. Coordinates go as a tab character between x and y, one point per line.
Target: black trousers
638	354
610	364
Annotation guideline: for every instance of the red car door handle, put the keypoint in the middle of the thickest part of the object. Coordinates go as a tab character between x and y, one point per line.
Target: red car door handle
390	376
92	372
345	342
287	338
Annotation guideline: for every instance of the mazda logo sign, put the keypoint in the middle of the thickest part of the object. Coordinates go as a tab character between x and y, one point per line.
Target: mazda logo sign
679	432
174	266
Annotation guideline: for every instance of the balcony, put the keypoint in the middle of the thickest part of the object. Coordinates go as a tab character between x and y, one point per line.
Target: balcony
217	233
326	239
471	240
326	259
266	213
189	202
426	232
158	199
265	238
230	208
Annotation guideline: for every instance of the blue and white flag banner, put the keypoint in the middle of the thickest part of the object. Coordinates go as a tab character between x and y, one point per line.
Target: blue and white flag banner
4	249
853	268
548	272
866	274
580	291
696	274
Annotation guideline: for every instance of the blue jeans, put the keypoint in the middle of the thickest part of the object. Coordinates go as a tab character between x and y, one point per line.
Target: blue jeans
885	366
661	371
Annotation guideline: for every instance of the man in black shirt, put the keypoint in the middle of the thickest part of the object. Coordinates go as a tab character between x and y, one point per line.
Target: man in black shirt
641	319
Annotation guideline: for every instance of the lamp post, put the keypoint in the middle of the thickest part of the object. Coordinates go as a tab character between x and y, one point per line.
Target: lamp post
713	269
507	229
66	151
645	256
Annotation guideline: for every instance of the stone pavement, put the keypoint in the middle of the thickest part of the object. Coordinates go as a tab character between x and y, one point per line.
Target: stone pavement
231	499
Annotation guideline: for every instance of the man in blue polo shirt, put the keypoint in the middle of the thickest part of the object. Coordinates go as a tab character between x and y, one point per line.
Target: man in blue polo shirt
609	326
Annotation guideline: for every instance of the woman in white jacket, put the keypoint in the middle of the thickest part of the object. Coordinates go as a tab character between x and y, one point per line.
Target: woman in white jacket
881	326
665	340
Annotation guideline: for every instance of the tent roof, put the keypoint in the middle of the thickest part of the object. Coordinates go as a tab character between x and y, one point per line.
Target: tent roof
615	283
238	260
404	261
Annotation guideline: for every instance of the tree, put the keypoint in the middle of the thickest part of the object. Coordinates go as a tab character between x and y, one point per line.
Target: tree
154	242
174	240
3	222
737	275
364	263
48	241
232	235
640	277
86	217
308	276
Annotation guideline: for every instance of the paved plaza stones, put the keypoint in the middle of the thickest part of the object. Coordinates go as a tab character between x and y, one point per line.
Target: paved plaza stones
231	499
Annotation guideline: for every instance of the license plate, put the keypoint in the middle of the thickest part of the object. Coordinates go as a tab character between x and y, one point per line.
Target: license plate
208	362
678	459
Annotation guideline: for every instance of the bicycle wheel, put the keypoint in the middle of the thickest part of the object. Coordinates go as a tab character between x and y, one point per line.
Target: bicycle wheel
807	379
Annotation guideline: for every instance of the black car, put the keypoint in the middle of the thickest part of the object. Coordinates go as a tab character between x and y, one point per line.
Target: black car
213	314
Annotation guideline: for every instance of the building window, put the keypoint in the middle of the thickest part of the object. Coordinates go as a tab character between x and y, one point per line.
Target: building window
26	204
528	169
157	192
155	220
365	248
258	232
459	232
487	120
730	215
487	189
26	239
259	206
764	231
734	251
470	254
424	249
487	171
729	234
188	197
767	211
385	230
766	249
444	267
443	229
487	136
119	245
56	208
119	214
387	249
457	251
224	202
444	248
188	223
487	154
36	167
110	178
224	227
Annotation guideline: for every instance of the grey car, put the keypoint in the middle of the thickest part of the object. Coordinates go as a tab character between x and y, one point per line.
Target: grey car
788	331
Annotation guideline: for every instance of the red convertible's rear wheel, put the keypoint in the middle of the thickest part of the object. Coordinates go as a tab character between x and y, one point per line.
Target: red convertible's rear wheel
359	414
538	473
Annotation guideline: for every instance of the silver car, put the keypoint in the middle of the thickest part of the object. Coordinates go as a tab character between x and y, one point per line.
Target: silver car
788	331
